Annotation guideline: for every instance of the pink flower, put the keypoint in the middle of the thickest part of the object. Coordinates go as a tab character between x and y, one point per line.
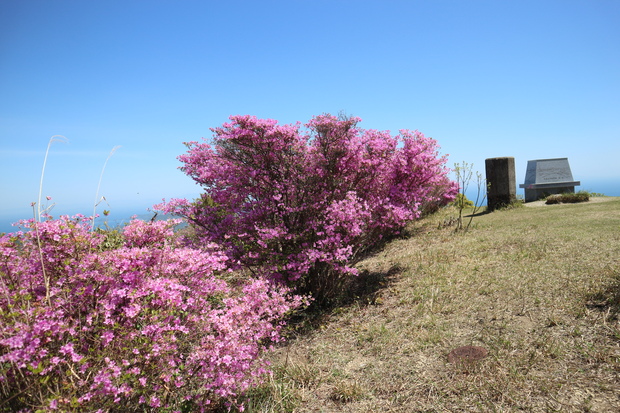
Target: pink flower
154	402
106	337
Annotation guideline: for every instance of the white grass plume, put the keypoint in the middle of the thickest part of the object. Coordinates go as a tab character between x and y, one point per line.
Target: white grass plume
97	199
55	138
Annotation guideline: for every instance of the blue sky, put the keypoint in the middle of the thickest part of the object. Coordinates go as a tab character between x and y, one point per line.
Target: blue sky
528	79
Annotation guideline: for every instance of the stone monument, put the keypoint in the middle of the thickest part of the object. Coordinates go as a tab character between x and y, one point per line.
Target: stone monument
545	177
501	182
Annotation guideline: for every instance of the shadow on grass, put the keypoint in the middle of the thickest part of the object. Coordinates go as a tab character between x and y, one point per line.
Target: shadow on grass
365	288
481	213
362	290
485	211
607	300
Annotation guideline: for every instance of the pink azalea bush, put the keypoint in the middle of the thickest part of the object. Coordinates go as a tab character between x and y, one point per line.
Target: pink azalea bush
145	327
301	205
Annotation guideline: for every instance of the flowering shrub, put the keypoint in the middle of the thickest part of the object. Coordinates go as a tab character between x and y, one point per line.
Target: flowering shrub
301	205
147	326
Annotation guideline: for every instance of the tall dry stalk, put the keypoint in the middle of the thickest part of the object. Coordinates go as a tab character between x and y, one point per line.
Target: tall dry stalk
55	138
464	173
97	199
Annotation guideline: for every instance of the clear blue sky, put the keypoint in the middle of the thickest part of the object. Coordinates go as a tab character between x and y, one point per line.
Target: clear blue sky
529	79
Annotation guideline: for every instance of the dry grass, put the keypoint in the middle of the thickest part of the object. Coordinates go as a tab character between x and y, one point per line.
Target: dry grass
539	288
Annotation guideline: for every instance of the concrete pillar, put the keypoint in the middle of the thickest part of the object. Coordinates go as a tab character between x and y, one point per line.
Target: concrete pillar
501	182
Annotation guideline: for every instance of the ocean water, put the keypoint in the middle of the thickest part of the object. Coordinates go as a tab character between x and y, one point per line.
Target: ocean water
120	217
609	187
116	219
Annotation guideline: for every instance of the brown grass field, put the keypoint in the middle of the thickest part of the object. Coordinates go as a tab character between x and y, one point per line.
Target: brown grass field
538	287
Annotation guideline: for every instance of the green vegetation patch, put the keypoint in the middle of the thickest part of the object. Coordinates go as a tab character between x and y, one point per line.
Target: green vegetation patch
568	198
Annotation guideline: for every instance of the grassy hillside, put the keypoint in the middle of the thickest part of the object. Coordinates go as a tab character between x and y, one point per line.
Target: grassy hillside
538	287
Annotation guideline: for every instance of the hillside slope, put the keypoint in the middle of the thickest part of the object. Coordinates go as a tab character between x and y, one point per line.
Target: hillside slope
538	288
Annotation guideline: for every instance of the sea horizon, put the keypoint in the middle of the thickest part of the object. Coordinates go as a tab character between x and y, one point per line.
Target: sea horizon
123	215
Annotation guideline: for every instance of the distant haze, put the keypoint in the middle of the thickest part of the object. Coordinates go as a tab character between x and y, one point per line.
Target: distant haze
118	217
